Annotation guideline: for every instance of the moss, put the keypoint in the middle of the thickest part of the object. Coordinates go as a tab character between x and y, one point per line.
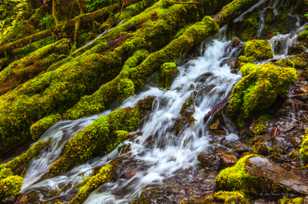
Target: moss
5	172
99	137
232	9
230	197
25	68
104	175
237	178
304	149
10	187
260	125
258	89
227	197
39	127
287	200
116	90
168	73
19	164
256	50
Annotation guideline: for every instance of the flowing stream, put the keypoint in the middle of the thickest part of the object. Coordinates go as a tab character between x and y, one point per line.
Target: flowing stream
158	151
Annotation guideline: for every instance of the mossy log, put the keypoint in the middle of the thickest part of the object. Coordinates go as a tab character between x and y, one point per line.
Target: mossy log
21	70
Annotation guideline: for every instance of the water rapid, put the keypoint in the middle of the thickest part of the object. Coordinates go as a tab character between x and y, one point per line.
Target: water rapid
159	149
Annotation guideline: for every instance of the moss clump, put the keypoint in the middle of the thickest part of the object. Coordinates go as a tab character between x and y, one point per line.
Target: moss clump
227	197
10	187
287	200
304	149
258	89
256	50
104	175
5	172
230	197
237	178
168	72
39	127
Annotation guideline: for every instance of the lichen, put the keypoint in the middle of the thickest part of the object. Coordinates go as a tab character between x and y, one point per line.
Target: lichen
258	89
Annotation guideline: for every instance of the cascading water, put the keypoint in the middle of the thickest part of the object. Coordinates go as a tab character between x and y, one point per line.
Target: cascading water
206	79
159	151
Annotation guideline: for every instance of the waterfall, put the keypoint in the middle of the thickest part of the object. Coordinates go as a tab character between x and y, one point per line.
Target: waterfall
207	80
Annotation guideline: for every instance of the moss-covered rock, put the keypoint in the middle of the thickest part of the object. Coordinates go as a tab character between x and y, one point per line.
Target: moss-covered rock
260	125
304	148
104	175
39	127
256	50
10	187
100	137
168	72
287	200
258	89
226	197
237	178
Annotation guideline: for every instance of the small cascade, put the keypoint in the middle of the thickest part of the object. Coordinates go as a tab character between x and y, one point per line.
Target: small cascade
57	136
282	42
161	152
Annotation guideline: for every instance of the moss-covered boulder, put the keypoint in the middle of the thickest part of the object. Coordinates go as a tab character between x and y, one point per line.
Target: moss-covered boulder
10	187
256	50
258	89
255	175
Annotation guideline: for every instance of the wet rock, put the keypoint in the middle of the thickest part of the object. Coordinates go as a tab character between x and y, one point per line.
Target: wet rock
263	168
208	160
226	159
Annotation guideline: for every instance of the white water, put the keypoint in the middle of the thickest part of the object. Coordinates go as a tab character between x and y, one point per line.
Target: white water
209	82
205	78
160	152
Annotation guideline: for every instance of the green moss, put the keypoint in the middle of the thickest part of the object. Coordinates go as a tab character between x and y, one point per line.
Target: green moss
260	125
116	90
19	164
104	175
256	50
237	178
25	68
304	148
10	187
168	72
230	197
5	172
39	127
99	137
258	89
287	200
